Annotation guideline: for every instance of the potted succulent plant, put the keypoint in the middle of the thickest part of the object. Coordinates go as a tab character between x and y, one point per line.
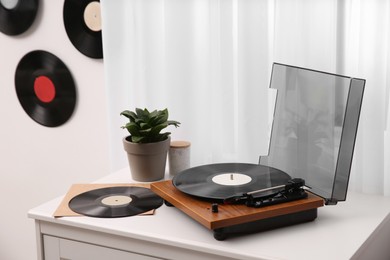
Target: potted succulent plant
146	146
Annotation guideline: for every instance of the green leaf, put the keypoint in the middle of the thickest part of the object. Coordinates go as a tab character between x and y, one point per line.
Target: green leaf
129	114
172	122
164	136
163	117
157	129
137	139
145	131
158	118
133	128
153	114
142	114
144	126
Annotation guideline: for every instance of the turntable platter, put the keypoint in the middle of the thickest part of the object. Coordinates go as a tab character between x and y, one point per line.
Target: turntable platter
221	181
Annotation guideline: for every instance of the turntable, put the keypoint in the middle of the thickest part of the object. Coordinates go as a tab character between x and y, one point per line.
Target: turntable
308	165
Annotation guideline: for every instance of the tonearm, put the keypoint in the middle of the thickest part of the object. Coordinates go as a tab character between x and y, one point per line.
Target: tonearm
292	190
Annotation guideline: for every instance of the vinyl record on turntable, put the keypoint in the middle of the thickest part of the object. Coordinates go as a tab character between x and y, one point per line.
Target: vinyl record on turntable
45	88
225	180
16	16
82	20
113	202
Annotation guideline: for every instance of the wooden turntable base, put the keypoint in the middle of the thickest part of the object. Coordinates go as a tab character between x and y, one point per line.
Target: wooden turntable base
293	212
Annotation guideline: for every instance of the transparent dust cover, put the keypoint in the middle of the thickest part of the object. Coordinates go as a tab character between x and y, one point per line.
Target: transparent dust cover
314	128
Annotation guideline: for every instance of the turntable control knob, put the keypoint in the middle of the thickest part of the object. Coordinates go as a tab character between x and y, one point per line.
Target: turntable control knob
214	207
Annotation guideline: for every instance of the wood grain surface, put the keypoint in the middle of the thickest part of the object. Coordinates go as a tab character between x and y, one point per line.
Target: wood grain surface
228	215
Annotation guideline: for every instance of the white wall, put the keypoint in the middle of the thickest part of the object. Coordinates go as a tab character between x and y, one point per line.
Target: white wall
39	163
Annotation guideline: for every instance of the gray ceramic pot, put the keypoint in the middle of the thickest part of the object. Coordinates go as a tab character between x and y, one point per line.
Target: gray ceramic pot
147	161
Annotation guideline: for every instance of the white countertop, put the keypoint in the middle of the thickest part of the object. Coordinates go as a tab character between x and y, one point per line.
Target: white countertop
337	233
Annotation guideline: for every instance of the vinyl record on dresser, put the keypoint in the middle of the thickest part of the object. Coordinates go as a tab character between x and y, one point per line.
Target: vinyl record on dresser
45	88
82	21
225	180
16	16
113	202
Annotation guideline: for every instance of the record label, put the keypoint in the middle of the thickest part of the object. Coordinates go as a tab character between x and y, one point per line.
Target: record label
9	4
44	89
226	180
92	16
113	202
231	179
116	200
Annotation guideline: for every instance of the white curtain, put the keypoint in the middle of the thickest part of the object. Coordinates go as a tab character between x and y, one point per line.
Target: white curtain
209	63
365	51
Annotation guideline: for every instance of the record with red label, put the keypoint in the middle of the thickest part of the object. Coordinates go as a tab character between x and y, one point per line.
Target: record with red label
82	20
45	88
16	16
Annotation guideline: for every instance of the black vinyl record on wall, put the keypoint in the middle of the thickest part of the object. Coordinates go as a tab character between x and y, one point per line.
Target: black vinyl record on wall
45	88
82	20
16	16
